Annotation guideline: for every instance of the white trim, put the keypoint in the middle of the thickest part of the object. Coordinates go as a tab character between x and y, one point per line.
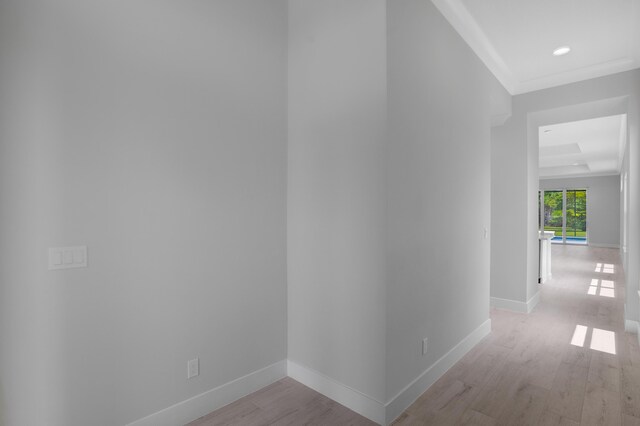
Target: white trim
638	324
192	408
472	33
516	305
576	75
531	303
615	246
355	400
413	390
509	305
461	20
631	326
381	413
578	175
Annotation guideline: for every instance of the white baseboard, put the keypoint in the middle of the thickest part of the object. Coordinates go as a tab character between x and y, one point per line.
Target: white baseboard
339	392
381	413
508	304
531	303
615	246
516	305
190	409
411	392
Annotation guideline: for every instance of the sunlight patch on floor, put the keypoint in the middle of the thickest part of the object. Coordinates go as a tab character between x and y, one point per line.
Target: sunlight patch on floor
604	288
601	340
579	336
607	268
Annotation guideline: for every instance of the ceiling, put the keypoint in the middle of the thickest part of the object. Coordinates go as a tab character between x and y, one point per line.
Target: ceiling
516	38
592	147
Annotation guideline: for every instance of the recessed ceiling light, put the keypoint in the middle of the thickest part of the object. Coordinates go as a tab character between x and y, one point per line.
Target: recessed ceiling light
563	50
575	164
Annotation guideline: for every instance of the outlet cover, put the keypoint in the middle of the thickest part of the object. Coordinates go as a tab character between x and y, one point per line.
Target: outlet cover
193	368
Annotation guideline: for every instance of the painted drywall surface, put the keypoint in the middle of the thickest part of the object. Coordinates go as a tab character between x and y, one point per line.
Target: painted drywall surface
533	243
438	190
154	133
336	201
632	304
24	122
624	209
500	103
603	205
547	104
508	208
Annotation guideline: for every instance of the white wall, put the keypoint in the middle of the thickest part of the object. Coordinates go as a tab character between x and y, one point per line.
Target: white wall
508	212
515	177
603	205
438	190
624	209
385	217
155	133
336	200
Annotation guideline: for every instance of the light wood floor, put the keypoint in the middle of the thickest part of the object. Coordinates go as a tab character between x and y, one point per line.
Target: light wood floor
569	362
285	402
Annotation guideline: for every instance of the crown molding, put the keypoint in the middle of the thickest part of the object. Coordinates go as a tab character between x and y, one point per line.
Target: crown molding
468	28
461	20
576	75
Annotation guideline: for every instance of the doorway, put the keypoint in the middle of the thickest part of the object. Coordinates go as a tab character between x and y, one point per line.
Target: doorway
564	212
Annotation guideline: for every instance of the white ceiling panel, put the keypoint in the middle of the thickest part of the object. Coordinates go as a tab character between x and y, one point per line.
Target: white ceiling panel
582	147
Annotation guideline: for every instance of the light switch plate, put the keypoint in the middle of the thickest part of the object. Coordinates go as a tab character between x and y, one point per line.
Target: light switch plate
67	257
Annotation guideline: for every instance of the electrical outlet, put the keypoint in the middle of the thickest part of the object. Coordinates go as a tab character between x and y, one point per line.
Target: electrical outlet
424	346
193	368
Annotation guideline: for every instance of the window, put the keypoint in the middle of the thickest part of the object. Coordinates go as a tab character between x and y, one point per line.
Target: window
565	213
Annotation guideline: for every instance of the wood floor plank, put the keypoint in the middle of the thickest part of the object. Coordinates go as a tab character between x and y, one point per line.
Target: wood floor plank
604	371
631	390
578	355
475	418
447	407
542	370
236	410
481	367
509	338
628	420
567	393
499	389
628	350
549	418
525	407
601	407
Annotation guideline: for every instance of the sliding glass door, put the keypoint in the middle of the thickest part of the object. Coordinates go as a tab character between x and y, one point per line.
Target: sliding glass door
565	213
576	213
553	213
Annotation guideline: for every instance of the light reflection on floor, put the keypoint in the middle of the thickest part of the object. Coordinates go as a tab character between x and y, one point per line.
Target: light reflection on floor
607	268
601	340
605	288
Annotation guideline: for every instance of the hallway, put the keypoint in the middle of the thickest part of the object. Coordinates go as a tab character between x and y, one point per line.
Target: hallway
569	362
